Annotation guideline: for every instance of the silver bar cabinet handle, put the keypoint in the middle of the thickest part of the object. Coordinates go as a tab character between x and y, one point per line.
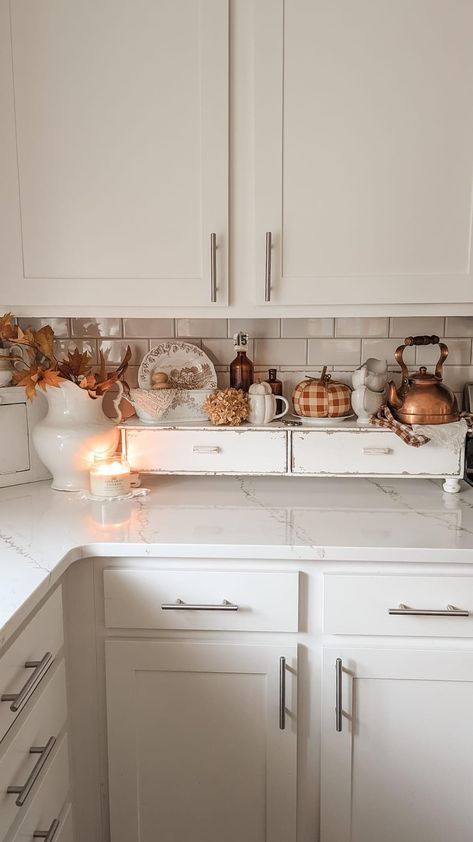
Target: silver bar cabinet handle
179	605
24	791
213	268
39	670
267	267
282	694
47	835
206	448
376	451
449	611
338	695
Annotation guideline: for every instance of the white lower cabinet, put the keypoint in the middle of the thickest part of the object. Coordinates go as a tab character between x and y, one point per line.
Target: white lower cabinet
401	766
202	741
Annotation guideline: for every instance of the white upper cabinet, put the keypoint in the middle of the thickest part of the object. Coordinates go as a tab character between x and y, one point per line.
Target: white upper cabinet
120	120
364	150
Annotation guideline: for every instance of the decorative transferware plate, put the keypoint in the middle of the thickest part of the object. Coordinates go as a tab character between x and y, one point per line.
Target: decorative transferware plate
186	366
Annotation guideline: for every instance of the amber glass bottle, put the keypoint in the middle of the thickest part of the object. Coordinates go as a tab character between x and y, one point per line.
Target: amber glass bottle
276	388
241	368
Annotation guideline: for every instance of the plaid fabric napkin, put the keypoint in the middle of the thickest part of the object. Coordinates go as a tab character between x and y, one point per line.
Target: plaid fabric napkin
385	418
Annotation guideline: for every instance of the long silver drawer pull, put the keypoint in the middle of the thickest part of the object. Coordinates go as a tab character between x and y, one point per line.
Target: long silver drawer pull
338	695
213	268
267	267
206	448
449	611
179	605
376	451
39	669
24	791
47	835
282	694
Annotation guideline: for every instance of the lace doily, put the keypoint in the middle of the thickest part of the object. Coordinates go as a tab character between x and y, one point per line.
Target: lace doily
450	436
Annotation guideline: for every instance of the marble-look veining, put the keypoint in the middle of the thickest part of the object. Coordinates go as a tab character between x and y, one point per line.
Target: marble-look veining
43	531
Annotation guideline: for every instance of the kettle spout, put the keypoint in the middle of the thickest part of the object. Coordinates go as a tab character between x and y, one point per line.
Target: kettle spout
393	396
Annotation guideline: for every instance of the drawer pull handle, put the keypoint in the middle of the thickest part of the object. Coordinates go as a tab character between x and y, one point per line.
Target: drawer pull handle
47	835
24	791
282	694
338	695
267	267
39	668
377	451
179	605
449	611
213	268
206	448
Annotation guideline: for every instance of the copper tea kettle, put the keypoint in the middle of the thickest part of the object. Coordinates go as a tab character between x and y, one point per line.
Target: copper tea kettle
422	398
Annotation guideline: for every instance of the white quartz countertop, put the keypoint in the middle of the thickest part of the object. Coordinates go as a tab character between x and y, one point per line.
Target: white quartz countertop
43	531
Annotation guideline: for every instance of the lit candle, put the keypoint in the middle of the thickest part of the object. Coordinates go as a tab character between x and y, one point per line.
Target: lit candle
110	476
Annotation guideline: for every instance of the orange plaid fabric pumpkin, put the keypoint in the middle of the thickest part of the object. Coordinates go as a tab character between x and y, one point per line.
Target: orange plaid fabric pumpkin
322	398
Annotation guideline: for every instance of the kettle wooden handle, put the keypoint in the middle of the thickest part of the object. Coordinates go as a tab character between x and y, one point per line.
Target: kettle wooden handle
421	340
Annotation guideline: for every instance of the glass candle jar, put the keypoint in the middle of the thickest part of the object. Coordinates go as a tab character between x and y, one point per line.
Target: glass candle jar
110	476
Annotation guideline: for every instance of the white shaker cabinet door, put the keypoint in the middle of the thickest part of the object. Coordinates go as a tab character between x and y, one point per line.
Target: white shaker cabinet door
401	766
121	123
196	751
364	150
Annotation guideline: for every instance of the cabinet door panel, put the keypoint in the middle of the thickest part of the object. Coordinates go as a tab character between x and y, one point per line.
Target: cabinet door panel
122	148
401	767
195	749
364	138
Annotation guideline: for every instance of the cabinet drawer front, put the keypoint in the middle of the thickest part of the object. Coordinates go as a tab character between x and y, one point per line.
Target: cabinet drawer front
49	803
42	636
266	601
361	605
45	721
368	452
243	451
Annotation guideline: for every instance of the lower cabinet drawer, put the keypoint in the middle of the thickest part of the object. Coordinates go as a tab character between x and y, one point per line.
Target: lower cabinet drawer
48	811
25	664
244	451
368	452
201	599
423	605
19	766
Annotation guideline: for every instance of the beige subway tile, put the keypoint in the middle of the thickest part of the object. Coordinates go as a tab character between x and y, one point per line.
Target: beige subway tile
96	327
89	346
295	328
256	328
456	376
222	351
59	324
334	351
459	326
148	327
201	327
417	326
362	327
274	352
158	340
383	349
459	353
114	350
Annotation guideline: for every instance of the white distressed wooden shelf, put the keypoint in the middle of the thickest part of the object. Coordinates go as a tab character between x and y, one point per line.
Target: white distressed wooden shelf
276	449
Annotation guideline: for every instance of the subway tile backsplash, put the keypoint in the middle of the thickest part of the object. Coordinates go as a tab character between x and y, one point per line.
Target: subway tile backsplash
296	347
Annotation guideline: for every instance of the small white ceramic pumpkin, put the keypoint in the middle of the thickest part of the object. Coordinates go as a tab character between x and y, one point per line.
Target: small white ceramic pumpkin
263	404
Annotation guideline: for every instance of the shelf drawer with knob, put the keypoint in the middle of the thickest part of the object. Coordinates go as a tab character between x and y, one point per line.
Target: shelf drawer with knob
202	599
368	452
207	451
25	664
418	606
